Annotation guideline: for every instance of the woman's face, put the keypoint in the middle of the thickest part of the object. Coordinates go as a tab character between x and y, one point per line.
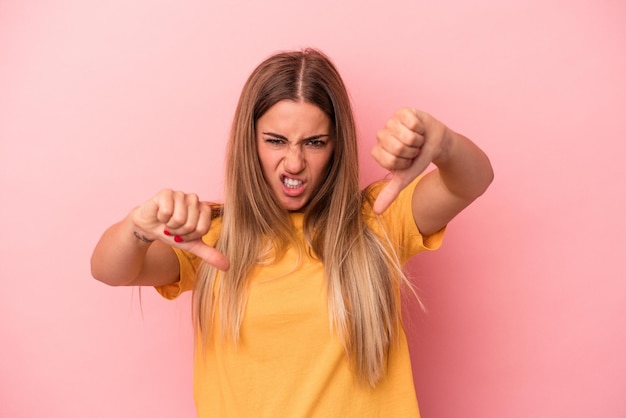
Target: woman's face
295	147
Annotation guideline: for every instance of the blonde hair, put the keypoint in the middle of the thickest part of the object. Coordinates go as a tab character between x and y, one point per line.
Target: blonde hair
362	272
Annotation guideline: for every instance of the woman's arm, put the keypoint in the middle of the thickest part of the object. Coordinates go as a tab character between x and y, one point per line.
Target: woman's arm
138	250
123	258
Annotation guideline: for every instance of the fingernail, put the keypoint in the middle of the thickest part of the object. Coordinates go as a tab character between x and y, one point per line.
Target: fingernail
178	239
166	232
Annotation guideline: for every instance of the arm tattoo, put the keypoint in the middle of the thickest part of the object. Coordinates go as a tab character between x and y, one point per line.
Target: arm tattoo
142	238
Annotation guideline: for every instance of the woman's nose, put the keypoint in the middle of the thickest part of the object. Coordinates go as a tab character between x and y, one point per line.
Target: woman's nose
294	160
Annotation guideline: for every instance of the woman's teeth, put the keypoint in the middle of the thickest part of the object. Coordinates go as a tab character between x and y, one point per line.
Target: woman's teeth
292	183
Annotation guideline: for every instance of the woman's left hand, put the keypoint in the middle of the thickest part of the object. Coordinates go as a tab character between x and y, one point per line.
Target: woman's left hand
409	142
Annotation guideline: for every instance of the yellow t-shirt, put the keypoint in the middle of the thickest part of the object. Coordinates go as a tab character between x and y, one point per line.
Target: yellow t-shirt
288	363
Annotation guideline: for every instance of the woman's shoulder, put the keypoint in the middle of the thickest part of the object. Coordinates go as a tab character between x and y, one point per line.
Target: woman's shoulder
373	189
369	195
217	215
371	192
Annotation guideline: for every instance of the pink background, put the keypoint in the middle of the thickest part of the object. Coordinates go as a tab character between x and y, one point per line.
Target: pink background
103	103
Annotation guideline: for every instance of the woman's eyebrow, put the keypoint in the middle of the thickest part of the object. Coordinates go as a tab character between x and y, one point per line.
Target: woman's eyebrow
311	138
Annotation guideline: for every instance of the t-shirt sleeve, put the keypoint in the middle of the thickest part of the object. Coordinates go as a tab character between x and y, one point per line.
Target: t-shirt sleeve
398	225
188	265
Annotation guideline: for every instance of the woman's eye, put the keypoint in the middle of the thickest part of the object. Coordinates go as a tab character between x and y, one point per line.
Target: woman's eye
316	143
273	141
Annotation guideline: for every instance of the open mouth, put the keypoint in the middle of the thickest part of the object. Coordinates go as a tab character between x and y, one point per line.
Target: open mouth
292	183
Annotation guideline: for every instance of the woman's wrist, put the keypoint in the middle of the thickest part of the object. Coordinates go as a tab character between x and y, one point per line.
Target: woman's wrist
137	232
142	238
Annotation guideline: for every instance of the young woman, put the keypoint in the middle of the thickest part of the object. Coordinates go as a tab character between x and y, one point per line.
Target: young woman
297	276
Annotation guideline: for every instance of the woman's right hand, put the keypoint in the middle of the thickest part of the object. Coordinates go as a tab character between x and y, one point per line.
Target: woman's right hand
180	220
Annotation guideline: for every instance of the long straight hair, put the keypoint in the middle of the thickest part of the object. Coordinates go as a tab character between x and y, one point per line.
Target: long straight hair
362	272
